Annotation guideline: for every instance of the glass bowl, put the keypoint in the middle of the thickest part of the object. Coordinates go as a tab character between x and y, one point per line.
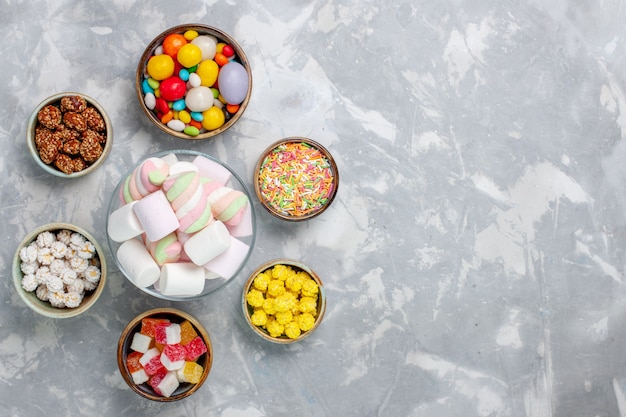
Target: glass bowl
162	238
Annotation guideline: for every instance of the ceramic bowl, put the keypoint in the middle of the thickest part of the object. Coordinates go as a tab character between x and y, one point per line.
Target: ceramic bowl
296	179
57	306
235	82
87	139
145	390
219	270
316	309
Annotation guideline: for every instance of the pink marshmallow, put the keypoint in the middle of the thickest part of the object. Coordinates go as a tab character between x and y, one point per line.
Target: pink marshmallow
244	228
212	170
227	263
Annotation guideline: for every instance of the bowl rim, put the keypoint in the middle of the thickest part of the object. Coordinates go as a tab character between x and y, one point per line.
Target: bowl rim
245	189
43	307
127	332
202	29
32	124
295	139
321	307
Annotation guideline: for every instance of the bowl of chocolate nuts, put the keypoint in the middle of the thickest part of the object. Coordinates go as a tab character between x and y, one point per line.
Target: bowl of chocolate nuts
69	135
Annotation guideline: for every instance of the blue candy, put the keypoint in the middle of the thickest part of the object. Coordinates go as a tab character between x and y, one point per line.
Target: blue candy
145	87
179	105
197	116
183	74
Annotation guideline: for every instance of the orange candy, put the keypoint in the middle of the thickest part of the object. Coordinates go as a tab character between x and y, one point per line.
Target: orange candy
221	59
195	123
187	332
232	108
132	361
149	324
167	117
172	43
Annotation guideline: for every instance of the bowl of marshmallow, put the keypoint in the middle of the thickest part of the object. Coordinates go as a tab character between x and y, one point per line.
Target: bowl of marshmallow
180	224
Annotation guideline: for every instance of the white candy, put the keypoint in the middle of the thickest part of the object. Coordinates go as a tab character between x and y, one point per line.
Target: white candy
140	267
176	125
148	356
139	376
169	384
149	100
181	279
123	223
208	243
199	98
171	365
207	44
140	343
172	334
194	80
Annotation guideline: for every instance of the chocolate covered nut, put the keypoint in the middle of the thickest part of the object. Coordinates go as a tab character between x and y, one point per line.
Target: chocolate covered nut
50	117
73	104
74	121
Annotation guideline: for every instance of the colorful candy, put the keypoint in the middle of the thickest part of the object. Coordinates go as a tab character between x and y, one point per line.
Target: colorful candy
296	179
185	76
165	354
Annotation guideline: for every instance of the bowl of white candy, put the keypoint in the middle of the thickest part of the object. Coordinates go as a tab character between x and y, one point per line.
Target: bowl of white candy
180	224
59	270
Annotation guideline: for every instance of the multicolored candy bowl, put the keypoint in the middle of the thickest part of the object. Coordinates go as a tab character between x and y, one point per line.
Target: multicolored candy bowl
193	81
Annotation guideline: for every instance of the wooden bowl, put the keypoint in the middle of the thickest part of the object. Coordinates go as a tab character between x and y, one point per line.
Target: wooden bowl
273	179
36	151
144	390
248	310
141	74
45	308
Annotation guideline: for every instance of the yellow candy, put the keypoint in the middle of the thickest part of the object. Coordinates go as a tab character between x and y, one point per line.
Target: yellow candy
191	372
189	55
306	321
293	283
207	71
190	34
292	330
160	67
284	317
219	47
308	305
259	317
184	116
255	298
309	288
274	328
276	288
260	282
213	118
269	307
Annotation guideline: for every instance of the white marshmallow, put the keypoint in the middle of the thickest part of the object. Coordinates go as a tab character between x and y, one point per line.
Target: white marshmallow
227	263
182	166
207	243
181	279
156	216
136	261
123	223
212	170
140	343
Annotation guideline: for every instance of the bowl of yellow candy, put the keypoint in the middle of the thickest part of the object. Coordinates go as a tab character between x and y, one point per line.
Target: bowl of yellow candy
283	301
